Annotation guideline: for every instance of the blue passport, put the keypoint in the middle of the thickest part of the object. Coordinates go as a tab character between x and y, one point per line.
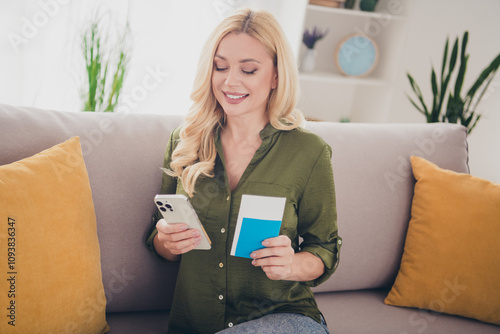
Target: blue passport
253	232
259	218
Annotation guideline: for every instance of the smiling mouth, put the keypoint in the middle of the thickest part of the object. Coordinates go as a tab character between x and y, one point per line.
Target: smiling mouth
235	96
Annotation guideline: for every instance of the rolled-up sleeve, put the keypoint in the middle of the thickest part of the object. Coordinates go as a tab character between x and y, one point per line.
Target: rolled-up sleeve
317	215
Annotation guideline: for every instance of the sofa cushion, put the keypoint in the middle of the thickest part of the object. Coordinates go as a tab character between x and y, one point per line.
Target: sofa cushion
452	254
364	311
49	245
123	154
374	189
150	322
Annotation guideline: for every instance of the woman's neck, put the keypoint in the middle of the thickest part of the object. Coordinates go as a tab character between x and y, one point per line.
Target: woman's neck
244	129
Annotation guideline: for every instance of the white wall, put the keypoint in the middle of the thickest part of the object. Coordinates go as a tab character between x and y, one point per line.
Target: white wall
168	35
431	22
41	63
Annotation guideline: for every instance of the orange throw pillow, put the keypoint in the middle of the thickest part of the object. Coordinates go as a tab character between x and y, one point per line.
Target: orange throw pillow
48	246
451	259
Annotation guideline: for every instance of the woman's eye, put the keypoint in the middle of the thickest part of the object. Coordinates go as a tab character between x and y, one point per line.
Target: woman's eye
249	72
220	68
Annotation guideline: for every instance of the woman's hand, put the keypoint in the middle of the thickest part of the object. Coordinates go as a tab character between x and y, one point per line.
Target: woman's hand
280	262
276	259
173	240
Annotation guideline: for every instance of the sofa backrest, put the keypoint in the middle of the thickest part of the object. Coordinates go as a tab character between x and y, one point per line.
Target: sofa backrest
123	153
374	189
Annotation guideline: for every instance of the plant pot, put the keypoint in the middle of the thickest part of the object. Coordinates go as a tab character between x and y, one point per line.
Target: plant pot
308	61
349	4
368	5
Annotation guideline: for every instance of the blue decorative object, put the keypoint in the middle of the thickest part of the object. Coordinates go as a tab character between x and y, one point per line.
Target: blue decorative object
356	55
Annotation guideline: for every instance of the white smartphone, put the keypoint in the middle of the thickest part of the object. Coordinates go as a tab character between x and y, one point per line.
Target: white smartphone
177	209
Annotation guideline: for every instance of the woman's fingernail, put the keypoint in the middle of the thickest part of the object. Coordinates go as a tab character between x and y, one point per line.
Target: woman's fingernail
253	255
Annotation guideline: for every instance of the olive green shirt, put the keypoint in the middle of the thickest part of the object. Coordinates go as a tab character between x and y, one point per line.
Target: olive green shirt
215	290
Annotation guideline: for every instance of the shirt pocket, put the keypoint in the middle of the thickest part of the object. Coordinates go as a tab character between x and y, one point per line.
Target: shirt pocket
289	222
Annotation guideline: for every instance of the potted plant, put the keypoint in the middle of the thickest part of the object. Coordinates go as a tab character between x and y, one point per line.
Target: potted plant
106	65
368	5
459	109
310	39
349	4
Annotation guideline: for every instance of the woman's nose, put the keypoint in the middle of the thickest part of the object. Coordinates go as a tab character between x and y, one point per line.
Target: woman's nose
232	78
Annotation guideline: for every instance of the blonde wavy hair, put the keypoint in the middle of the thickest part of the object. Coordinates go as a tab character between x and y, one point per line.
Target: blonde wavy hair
195	153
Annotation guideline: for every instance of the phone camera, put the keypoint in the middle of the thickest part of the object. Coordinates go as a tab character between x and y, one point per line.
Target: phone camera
164	206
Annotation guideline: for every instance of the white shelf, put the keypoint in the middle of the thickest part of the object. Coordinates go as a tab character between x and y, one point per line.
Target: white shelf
329	77
355	12
329	95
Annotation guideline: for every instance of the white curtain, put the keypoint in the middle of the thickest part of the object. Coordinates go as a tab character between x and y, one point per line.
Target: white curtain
41	63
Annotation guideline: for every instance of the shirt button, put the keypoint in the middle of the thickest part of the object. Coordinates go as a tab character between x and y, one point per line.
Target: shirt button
339	242
221	265
228	198
222	230
230	324
221	297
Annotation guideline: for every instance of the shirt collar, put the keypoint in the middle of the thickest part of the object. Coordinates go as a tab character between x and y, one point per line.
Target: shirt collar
265	134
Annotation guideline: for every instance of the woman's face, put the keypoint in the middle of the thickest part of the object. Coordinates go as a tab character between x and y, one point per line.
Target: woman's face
243	76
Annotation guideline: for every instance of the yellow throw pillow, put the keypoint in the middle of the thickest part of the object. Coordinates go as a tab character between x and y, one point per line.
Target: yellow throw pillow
49	252
451	259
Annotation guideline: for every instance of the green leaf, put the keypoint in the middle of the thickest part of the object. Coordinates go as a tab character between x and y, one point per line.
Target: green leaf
444	88
467	121
116	86
414	85
445	58
465	39
445	79
490	70
434	83
470	101
453	57
435	92
417	91
463	67
474	124
416	106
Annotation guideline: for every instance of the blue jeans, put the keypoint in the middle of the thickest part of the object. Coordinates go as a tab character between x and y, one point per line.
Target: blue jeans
278	323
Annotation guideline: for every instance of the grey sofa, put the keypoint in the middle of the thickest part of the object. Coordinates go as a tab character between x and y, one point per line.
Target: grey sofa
374	185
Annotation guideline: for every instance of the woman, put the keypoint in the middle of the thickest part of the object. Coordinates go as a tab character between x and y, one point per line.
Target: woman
242	136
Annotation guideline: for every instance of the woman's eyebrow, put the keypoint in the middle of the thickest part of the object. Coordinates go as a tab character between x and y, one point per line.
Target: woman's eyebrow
246	60
249	60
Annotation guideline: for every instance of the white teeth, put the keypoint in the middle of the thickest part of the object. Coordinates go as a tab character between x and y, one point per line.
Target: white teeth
234	97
